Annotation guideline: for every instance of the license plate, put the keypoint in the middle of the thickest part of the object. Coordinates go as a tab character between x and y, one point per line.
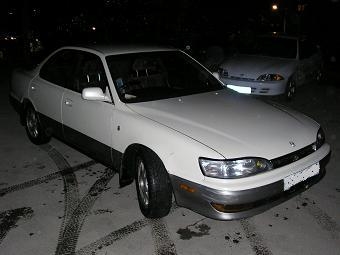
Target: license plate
240	89
301	176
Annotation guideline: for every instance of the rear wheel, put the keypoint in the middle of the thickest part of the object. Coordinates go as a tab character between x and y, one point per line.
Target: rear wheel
34	130
153	185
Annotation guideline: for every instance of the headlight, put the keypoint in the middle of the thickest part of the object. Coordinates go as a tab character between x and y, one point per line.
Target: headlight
270	77
236	168
320	138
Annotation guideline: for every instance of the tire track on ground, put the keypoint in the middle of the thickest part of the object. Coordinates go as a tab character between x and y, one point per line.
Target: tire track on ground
70	188
69	238
256	240
9	219
161	236
323	219
46	178
117	235
71	193
76	212
113	237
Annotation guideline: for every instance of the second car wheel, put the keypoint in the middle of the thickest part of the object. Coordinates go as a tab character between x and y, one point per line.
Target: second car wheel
153	185
33	127
290	90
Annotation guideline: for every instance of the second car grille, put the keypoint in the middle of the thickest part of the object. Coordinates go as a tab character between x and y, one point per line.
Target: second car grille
259	90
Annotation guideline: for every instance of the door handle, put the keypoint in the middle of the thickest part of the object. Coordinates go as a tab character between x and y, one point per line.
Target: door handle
68	102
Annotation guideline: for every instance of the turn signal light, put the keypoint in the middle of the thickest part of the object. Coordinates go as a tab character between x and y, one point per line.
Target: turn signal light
232	208
187	188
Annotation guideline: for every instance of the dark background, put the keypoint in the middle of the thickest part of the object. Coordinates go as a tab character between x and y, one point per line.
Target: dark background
30	29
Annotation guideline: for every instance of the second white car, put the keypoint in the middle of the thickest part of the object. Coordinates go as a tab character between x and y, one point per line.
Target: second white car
273	65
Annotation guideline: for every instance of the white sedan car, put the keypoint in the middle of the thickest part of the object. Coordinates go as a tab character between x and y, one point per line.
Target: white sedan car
160	118
275	65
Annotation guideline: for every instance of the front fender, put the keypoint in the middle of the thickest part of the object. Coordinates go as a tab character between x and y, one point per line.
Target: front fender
178	152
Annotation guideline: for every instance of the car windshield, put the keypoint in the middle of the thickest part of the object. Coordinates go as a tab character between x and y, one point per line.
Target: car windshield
141	77
272	47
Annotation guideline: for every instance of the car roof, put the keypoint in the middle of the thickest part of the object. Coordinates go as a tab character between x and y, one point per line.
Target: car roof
106	49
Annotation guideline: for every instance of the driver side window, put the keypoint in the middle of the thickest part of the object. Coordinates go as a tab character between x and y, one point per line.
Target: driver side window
90	73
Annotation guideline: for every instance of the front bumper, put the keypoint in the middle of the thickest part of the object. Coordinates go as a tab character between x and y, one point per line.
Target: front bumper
237	204
268	88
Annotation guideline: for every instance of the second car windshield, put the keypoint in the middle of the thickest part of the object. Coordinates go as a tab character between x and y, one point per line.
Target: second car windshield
272	47
140	77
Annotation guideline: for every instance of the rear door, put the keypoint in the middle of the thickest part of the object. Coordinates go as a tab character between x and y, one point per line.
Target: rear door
88	124
47	88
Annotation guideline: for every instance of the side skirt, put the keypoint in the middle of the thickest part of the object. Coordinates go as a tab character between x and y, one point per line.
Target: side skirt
85	144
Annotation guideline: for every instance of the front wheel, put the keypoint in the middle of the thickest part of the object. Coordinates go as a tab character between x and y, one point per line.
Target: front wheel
34	130
153	185
318	76
290	90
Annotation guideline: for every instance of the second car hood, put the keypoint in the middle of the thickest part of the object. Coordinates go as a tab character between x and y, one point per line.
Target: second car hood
252	66
232	124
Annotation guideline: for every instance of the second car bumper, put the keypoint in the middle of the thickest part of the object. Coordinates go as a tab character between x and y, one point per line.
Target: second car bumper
271	88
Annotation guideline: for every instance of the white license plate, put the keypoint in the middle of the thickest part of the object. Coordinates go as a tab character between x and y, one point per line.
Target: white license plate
240	89
301	176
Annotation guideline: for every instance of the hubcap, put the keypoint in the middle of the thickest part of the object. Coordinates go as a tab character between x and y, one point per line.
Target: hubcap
32	123
143	185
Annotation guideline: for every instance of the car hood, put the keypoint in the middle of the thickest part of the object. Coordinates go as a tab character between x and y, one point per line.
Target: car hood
252	66
232	124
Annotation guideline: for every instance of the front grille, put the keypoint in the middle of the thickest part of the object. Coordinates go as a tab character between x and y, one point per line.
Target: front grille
259	90
294	156
241	78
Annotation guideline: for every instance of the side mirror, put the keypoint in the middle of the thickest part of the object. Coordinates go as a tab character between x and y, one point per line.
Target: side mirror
94	94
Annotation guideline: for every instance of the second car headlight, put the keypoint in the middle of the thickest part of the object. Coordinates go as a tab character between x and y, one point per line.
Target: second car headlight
236	168
270	77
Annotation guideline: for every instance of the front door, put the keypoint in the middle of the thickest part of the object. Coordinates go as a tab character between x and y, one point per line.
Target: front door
88	124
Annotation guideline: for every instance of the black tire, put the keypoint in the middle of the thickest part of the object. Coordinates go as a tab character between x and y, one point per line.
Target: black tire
153	185
33	127
290	90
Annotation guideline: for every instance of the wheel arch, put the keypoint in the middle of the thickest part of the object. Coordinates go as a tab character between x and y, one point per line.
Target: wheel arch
126	172
25	103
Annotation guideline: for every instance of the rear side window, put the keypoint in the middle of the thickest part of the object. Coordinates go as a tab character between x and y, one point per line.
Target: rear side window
60	67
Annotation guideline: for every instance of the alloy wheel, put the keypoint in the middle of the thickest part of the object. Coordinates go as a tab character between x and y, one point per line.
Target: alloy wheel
32	123
143	185
291	89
